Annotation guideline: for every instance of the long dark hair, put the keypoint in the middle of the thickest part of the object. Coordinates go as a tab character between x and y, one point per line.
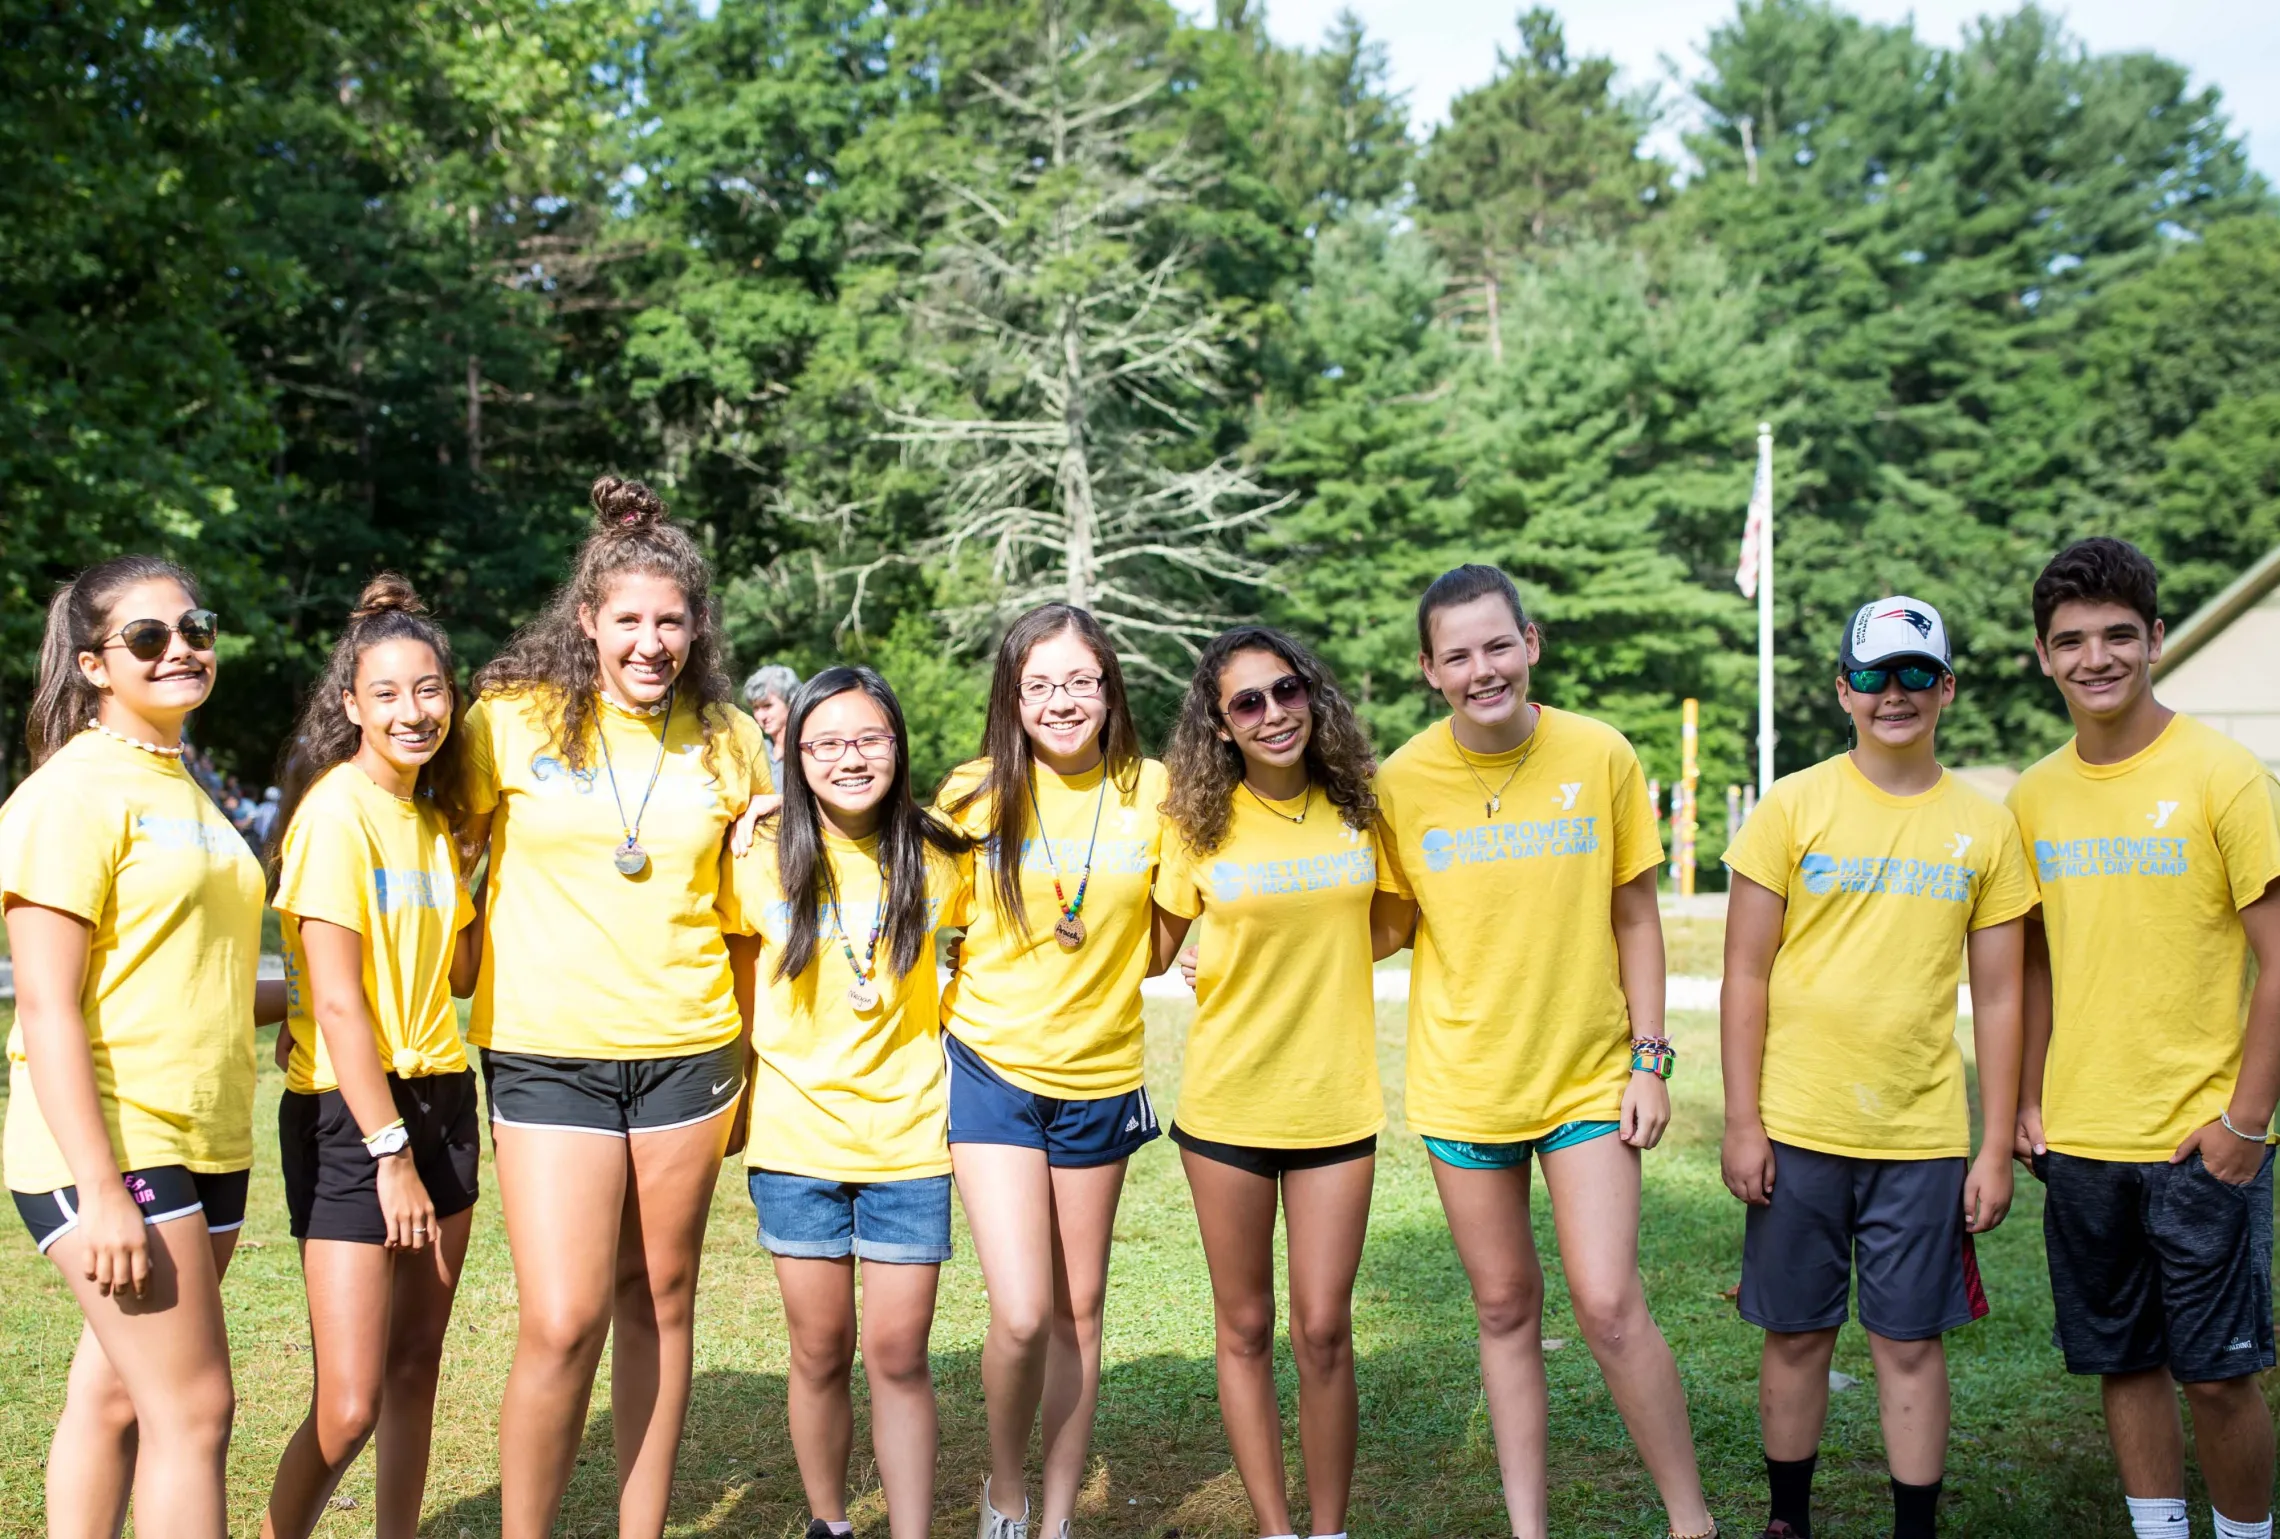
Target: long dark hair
906	832
323	736
554	659
1006	750
79	615
1206	770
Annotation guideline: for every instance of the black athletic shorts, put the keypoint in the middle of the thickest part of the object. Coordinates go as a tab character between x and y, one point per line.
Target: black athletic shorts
163	1192
615	1096
1898	1223
332	1185
2159	1265
1272	1163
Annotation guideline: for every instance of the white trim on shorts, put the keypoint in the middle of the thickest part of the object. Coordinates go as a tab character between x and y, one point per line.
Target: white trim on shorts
70	1219
498	1121
668	1127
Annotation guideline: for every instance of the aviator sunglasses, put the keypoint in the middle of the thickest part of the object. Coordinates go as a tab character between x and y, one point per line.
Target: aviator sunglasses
1247	708
146	639
1912	676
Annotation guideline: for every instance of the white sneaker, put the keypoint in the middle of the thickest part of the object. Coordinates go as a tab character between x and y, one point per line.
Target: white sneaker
996	1525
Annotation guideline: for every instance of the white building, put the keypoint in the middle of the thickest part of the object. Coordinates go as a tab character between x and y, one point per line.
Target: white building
2222	665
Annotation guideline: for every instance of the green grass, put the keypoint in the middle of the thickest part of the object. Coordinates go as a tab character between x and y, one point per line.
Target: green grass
2029	1456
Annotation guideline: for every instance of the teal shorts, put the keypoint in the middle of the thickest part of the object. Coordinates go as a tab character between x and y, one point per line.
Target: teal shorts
1504	1156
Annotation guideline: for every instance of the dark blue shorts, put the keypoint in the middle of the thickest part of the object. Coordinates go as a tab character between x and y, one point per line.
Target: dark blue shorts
985	1108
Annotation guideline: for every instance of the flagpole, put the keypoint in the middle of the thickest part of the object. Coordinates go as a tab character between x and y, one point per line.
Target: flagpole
1765	615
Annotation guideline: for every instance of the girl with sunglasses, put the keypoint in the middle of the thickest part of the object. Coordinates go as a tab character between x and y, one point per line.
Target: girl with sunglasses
1043	1035
1273	842
846	892
377	1128
605	761
134	918
1522	841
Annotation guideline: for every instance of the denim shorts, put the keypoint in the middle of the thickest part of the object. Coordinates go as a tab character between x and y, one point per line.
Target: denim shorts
811	1218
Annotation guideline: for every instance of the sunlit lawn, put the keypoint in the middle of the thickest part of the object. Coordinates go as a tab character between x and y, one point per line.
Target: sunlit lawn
2029	1459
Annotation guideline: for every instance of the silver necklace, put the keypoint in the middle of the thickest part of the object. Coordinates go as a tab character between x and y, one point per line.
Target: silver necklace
1496	797
630	857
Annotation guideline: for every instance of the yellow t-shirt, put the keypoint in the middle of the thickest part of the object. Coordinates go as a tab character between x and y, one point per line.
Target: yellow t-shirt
126	840
1517	1021
578	960
1282	1053
840	1094
2142	868
1882	890
358	857
1061	1023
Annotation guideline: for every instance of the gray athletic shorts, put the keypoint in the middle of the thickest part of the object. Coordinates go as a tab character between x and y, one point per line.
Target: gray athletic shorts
1899	1223
2157	1265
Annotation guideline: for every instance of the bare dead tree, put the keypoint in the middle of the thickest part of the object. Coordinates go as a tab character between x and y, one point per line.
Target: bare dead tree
1079	352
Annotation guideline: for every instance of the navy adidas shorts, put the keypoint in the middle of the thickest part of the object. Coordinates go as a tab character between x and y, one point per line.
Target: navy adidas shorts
986	1108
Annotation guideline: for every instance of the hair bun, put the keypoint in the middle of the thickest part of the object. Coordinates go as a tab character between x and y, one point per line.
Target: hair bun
620	504
387	593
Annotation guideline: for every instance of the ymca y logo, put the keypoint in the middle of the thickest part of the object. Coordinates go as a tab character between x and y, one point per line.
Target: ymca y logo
2161	814
1569	791
1957	845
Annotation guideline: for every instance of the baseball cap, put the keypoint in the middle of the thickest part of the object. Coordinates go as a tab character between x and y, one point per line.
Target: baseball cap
1890	628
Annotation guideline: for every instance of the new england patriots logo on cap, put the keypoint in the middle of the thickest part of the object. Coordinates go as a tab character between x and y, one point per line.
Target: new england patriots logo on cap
1915	617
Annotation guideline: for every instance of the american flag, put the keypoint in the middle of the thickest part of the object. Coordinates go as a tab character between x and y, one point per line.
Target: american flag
1754	527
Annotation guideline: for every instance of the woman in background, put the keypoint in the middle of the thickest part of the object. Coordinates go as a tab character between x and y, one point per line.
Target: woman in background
767	695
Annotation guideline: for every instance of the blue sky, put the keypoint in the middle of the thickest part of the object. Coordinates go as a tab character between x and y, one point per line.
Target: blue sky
1439	48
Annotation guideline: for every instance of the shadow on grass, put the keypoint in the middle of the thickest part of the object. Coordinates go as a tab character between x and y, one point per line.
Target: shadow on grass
2028	1460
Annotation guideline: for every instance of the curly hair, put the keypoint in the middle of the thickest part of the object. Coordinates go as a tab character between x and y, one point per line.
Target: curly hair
554	660
323	736
2100	570
1206	768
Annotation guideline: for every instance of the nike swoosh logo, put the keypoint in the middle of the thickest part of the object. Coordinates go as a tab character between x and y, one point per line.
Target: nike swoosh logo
723	1085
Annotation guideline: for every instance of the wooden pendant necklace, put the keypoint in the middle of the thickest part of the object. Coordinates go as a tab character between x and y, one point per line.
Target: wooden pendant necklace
1069	929
1495	802
863	993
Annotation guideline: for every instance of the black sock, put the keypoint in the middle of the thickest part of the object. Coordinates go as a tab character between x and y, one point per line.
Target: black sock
1915	1510
1791	1481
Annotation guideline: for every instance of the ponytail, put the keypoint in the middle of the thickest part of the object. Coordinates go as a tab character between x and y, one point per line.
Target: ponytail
63	701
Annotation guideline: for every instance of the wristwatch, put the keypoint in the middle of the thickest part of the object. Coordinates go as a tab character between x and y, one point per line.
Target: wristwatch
389	1140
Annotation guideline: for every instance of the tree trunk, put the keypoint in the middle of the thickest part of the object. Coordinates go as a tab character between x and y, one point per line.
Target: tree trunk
474	415
1076	471
1495	320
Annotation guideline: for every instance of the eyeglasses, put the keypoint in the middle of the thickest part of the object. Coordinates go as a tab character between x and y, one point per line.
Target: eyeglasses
1083	686
1248	707
1912	676
830	750
147	639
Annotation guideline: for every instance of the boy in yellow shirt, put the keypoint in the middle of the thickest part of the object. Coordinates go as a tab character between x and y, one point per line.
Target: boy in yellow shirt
2151	1065
1858	885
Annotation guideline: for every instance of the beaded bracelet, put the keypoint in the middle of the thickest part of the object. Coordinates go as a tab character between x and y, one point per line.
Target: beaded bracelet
1653	1055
